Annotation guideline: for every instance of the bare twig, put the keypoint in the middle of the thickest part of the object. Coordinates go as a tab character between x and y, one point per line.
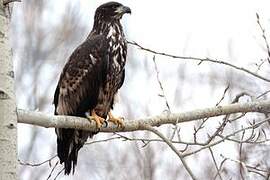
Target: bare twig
161	86
52	170
143	140
252	126
223	96
247	141
249	168
5	2
150	128
219	129
196	130
240	155
36	164
200	60
215	162
220	167
201	126
103	140
264	36
62	170
263	94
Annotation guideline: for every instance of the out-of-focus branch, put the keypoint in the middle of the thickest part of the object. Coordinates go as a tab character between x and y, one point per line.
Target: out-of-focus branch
5	2
44	120
52	170
251	127
200	60
215	162
248	167
36	164
264	36
160	85
169	143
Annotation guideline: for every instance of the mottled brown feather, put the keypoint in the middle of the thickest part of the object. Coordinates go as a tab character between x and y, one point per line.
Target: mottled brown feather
82	76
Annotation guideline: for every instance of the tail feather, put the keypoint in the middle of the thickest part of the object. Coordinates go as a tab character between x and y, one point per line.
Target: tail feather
69	142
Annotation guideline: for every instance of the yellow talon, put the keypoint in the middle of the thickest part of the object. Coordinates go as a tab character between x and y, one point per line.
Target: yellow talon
116	121
99	120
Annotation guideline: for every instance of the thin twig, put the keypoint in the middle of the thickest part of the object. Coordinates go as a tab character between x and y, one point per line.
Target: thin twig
248	167
161	86
150	128
103	140
36	164
240	156
6	2
219	129
215	162
264	36
266	92
219	169
52	170
201	126
196	130
223	96
245	141
200	60
62	170
252	126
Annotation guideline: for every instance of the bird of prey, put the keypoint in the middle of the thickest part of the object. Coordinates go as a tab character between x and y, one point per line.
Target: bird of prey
90	79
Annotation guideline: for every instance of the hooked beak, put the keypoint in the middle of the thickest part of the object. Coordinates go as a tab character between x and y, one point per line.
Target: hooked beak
123	9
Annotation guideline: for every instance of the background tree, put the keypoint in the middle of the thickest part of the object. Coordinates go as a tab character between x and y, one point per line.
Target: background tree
8	118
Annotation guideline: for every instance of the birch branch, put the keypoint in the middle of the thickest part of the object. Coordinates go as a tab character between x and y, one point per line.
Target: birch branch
50	121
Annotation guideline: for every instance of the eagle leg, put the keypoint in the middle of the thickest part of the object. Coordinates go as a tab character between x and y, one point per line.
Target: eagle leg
116	121
99	120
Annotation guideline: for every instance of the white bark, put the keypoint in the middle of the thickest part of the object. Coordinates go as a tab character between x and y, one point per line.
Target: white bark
44	120
8	116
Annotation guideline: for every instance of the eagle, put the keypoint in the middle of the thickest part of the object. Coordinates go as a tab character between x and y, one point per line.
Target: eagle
90	80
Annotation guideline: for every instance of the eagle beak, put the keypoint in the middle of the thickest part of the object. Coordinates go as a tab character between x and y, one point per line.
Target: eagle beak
123	9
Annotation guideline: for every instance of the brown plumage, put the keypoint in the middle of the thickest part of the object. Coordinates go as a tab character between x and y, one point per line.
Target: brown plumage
90	79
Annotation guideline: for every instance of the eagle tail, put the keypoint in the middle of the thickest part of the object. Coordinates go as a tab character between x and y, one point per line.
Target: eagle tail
69	142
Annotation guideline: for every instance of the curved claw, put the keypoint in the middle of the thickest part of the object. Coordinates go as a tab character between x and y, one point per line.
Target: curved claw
117	121
106	123
99	120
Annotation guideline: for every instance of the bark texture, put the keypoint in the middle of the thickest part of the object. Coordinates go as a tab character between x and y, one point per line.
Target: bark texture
8	116
50	121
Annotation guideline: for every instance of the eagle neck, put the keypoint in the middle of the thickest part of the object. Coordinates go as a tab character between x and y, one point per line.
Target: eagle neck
105	28
113	32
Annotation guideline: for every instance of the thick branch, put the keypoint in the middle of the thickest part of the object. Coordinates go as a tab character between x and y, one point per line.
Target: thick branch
50	121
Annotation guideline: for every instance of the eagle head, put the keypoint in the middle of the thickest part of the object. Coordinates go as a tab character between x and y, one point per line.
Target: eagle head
111	11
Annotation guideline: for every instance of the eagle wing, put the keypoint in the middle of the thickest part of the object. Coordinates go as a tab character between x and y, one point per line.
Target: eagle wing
77	92
79	83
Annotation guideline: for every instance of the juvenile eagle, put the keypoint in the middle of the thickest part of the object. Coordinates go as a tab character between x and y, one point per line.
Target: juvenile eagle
90	79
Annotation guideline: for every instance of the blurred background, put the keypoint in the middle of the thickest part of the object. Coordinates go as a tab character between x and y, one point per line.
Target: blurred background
45	32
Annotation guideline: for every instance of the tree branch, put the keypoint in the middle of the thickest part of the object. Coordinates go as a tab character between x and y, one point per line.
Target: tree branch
169	143
50	121
200	60
5	2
